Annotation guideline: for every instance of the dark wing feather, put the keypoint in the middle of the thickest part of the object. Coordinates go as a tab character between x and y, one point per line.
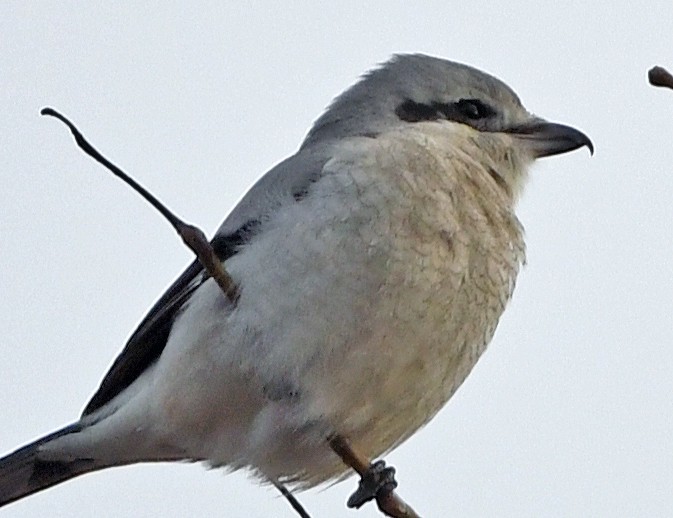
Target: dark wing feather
149	339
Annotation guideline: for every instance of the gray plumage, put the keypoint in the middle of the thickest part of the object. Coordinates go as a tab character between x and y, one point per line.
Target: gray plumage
373	267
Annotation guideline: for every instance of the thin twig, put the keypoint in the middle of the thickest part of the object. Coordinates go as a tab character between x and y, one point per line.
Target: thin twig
296	505
192	236
389	503
659	76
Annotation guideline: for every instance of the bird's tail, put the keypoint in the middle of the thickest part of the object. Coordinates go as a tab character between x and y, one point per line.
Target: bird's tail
22	473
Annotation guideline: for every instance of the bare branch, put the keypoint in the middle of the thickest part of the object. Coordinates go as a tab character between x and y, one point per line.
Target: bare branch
192	236
388	502
659	76
296	505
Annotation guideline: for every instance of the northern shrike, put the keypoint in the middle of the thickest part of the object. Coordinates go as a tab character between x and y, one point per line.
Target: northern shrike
372	265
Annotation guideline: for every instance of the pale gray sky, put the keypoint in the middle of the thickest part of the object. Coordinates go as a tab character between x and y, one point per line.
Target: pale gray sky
569	413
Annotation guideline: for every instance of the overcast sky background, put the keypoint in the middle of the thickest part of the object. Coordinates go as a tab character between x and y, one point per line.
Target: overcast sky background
570	411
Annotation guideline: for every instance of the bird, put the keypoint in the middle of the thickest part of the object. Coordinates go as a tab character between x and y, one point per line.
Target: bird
372	267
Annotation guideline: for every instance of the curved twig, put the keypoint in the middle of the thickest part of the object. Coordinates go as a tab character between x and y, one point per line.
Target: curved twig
192	236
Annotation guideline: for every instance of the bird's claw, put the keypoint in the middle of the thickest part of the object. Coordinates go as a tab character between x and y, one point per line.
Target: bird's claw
377	481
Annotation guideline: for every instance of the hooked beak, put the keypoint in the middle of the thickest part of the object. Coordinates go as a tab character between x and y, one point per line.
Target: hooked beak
544	138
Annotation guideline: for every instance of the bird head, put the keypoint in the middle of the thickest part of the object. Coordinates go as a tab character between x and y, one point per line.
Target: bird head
410	89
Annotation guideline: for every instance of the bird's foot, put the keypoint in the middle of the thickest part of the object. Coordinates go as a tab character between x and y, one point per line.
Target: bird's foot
377	482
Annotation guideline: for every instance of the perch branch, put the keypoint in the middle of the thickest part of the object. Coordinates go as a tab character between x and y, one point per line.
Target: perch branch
192	236
388	502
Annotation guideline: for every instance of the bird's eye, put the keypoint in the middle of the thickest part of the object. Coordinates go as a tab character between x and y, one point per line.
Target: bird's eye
474	109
